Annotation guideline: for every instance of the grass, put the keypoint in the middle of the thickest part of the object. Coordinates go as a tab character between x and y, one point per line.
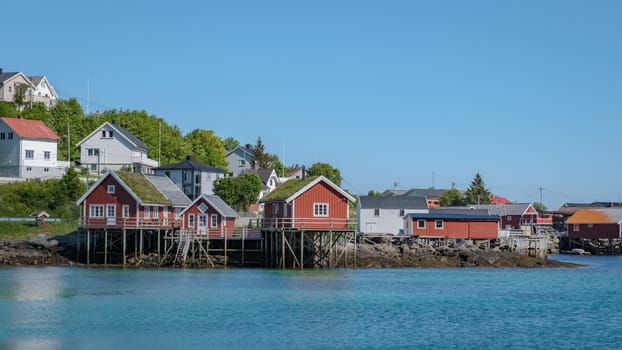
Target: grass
25	231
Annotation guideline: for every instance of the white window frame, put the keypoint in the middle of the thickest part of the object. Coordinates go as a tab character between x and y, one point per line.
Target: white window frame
46	170
320	210
214	221
110	189
146	212
93	167
96	210
376	212
575	227
29	169
419	222
156	213
437	226
590	225
203	220
114	210
191	220
165	213
29	154
125	211
284	209
47	155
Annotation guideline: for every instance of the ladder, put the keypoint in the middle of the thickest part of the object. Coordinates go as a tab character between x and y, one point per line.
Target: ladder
183	247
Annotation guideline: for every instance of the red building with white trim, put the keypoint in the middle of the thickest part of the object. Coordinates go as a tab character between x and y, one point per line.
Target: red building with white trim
467	224
209	216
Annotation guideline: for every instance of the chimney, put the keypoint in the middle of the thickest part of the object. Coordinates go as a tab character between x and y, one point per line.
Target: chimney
189	158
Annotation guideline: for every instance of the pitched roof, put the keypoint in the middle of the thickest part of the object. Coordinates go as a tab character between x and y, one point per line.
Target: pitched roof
465	215
36	79
426	192
295	187
393	202
6	76
142	187
190	164
504	209
596	216
499	200
29	128
465	211
120	130
221	206
168	188
242	149
136	184
263	174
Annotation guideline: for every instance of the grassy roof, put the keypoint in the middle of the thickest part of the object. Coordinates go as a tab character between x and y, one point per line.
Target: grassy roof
142	187
287	189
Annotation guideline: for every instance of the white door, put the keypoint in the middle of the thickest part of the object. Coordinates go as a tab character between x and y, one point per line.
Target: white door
202	223
111	218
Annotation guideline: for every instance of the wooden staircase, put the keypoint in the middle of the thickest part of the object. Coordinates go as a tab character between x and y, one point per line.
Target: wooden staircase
183	246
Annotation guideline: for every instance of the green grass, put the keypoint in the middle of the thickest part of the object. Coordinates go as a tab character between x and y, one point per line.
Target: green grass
25	231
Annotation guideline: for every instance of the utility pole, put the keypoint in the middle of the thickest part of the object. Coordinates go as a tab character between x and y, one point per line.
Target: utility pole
541	195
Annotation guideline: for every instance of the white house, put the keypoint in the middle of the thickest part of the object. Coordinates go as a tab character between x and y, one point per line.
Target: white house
38	88
239	160
29	149
42	91
111	147
269	180
385	214
191	177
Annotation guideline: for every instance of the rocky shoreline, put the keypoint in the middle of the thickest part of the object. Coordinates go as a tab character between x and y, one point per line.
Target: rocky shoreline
59	252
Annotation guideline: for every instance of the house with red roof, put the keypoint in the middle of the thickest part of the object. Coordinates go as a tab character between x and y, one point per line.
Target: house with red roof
29	150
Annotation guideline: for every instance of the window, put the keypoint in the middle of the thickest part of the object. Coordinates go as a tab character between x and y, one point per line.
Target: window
111	210
242	162
168	174
177	213
203	220
202	208
46	155
376	211
420	223
590	225
29	169
197	178
10	88
46	170
191	220
320	209
401	212
509	217
147	213
156	213
575	227
93	167
165	213
92	151
2	136
10	136
438	224
110	133
103	133
284	210
126	210
110	189
30	154
214	221
96	211
39	93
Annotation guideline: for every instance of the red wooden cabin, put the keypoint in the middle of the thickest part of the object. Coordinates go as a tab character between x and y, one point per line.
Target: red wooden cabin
595	223
124	199
209	216
309	203
450	224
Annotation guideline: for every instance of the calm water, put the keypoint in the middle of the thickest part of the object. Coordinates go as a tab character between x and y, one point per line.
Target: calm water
82	308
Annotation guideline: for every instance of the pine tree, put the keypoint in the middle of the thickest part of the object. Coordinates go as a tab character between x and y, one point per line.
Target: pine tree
261	159
477	193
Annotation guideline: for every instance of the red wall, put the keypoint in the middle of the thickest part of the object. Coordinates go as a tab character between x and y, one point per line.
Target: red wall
459	229
596	231
321	193
224	227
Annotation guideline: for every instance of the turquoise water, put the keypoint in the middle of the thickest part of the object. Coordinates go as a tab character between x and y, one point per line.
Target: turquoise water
97	308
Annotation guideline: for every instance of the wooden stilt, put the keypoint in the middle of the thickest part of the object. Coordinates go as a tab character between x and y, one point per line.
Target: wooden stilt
105	247
159	238
302	249
141	248
88	246
124	247
225	250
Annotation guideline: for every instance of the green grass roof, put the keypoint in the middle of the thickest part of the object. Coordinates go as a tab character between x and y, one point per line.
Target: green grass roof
142	187
287	189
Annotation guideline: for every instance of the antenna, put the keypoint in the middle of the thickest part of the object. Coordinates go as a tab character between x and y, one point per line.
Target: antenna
88	94
160	143
432	179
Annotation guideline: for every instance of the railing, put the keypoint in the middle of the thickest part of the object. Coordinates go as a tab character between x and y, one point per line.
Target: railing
304	223
118	222
225	233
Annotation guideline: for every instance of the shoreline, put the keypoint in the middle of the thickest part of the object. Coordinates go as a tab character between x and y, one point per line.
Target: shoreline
51	252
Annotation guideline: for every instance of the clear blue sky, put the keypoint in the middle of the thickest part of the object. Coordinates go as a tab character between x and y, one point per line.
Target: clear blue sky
528	93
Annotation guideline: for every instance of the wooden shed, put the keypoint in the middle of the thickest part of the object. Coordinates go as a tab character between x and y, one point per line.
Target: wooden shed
209	216
595	223
465	224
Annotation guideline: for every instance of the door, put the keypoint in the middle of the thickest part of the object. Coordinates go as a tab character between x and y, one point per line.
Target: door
111	218
202	224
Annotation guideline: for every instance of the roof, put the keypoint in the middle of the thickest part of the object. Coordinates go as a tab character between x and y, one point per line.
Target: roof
499	200
465	211
120	130
6	76
596	216
30	128
263	174
295	187
221	206
36	79
168	188
504	209
142	187
426	192
393	202
190	164
242	149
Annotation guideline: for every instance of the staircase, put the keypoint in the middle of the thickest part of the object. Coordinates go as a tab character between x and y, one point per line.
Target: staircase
183	246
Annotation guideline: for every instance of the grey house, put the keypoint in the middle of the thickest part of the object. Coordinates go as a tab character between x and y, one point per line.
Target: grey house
239	160
385	214
191	177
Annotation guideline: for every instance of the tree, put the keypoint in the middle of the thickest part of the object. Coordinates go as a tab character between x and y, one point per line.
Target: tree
239	192
327	171
261	159
477	193
373	193
540	208
7	109
19	97
452	198
230	143
279	167
207	148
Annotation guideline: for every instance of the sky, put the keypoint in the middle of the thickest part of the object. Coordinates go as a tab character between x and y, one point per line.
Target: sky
404	94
